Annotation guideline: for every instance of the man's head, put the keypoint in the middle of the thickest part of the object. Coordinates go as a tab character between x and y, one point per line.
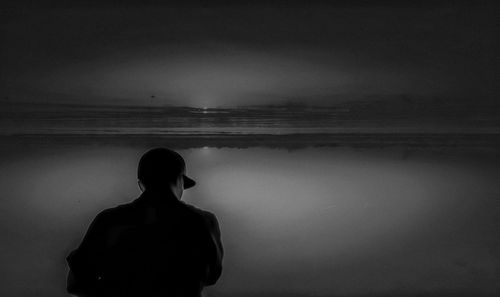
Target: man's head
161	169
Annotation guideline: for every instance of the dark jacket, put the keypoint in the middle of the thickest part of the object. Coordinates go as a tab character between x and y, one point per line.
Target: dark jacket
153	246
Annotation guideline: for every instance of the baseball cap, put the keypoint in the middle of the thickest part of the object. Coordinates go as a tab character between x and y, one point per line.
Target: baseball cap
162	164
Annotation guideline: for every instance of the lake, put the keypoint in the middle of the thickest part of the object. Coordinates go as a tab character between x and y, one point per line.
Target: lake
313	221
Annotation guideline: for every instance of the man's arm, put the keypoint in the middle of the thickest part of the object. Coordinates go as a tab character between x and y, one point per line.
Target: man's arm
72	286
84	262
215	261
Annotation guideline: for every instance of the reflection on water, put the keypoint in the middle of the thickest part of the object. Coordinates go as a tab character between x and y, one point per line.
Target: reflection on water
311	222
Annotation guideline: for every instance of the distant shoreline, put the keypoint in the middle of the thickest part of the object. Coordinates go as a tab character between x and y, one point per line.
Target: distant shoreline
469	141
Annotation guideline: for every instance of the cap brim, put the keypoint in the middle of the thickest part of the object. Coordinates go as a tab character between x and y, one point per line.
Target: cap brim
188	182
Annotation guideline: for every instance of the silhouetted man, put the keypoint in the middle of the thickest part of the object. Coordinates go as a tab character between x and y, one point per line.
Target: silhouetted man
153	246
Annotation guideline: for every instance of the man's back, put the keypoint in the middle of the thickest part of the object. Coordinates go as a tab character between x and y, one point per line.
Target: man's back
148	248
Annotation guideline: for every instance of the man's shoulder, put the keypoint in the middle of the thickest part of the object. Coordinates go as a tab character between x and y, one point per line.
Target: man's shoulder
207	216
199	211
118	212
127	213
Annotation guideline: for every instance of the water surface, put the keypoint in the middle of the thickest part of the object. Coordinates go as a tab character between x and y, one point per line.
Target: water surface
308	222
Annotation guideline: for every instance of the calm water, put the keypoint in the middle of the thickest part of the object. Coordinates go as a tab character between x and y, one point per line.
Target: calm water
309	222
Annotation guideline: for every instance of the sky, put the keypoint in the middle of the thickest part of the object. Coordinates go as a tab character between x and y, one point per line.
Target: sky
227	54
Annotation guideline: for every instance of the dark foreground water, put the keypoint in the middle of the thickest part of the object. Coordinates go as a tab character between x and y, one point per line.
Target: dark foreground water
321	221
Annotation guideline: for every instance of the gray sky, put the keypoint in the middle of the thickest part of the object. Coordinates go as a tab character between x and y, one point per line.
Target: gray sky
244	54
